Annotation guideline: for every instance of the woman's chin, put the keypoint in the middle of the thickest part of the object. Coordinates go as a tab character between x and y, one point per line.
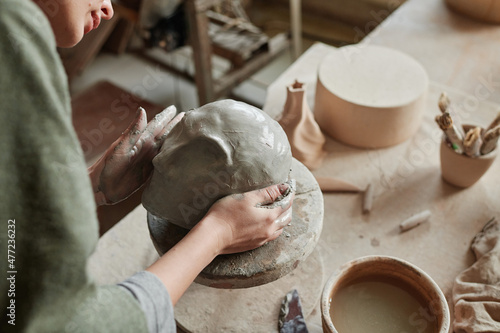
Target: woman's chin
69	41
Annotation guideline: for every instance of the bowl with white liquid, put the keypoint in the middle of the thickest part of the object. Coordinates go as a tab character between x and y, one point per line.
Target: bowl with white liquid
383	294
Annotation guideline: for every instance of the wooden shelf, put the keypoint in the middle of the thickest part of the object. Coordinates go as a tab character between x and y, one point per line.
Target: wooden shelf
210	89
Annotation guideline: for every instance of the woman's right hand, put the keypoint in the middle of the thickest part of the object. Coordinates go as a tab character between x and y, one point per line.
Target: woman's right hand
242	222
235	223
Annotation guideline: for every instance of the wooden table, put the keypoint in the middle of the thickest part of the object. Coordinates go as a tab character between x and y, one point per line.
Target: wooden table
210	88
461	58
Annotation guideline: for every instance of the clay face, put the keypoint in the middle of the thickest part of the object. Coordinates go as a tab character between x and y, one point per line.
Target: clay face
221	148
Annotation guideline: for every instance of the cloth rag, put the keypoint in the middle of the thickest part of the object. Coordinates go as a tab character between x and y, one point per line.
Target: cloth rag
476	291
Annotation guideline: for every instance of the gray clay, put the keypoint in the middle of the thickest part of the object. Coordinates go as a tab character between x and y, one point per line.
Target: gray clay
221	148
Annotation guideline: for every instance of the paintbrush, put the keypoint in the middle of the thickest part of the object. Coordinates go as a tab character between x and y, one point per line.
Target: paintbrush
453	135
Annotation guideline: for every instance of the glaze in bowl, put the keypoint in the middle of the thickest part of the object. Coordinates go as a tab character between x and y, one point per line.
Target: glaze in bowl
395	271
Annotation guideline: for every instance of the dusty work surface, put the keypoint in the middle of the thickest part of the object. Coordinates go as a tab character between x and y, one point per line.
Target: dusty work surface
461	58
407	180
203	309
456	51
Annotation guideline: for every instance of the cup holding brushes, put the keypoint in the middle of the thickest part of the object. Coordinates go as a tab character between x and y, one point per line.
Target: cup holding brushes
466	151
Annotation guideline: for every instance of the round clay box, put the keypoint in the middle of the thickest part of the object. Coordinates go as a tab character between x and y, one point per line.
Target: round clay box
370	96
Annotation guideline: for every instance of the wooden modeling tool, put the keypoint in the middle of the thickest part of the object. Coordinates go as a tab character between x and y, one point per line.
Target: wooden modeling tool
330	184
415	220
368	199
473	142
490	140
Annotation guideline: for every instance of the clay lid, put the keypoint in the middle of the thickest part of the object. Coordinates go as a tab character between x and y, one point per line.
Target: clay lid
373	76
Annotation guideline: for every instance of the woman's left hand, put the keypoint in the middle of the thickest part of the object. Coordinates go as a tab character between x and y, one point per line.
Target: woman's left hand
127	163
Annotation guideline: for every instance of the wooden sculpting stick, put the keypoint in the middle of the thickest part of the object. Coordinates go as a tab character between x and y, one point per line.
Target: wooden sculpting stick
368	199
494	123
473	142
444	104
451	131
330	184
490	140
415	220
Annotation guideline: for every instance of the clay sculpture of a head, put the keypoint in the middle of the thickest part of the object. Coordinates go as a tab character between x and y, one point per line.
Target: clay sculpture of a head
221	148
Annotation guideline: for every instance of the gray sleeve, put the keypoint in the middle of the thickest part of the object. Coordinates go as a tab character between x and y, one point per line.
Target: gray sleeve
154	300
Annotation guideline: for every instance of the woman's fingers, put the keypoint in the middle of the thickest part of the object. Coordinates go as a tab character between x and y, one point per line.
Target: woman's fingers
140	117
132	134
280	223
157	125
156	130
136	128
275	235
268	195
166	129
277	199
284	219
141	135
250	219
152	129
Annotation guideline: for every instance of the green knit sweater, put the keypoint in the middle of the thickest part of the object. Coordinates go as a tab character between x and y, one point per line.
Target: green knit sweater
47	210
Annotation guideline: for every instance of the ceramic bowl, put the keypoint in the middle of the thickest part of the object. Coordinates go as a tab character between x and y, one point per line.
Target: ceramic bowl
370	96
461	170
398	271
482	10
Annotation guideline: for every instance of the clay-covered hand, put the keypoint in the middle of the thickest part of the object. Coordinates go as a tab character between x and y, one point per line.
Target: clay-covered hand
127	163
246	221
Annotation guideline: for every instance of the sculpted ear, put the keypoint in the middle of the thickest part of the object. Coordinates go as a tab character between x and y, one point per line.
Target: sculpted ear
188	180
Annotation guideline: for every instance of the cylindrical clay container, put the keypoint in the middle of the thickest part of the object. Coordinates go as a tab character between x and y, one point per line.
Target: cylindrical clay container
370	96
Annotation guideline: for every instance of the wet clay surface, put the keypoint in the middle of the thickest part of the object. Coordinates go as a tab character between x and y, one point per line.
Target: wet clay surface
221	148
270	261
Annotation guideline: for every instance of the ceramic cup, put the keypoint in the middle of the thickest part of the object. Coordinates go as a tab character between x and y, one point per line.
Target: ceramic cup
461	170
392	270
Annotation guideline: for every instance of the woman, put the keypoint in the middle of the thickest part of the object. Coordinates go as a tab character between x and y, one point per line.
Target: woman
48	201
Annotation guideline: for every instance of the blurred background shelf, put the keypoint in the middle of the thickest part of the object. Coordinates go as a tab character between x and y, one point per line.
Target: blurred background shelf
118	41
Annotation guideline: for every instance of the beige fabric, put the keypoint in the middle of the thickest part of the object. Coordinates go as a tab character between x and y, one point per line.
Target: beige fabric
476	292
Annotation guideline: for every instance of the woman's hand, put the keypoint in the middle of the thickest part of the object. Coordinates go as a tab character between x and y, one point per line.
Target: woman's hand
233	224
246	221
127	163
